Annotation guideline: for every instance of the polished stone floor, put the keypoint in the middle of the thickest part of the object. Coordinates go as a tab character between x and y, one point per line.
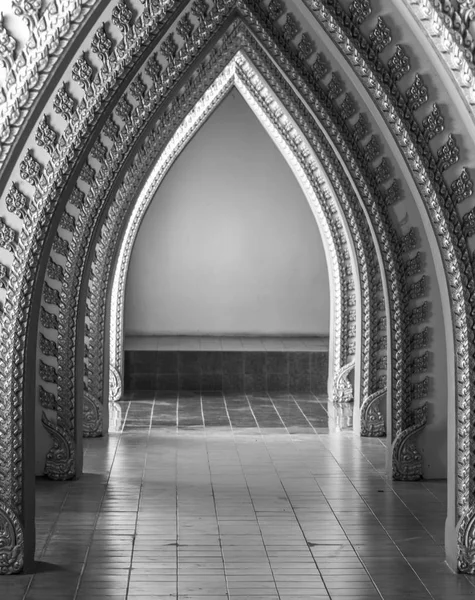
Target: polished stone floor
237	498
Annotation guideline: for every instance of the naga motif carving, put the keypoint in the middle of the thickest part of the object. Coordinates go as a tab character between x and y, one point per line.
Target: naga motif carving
343	388
466	543
11	541
115	384
92	416
380	177
373	423
407	460
60	458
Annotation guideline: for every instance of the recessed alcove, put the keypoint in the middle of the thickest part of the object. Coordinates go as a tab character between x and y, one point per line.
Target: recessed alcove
227	286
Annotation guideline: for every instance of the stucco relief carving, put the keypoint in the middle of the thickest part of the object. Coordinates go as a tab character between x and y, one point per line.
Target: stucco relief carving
11	541
92	416
372	420
350	348
15	331
60	458
407	458
450	239
343	389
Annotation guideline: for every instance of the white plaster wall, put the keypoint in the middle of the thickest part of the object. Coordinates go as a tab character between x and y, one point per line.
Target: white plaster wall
229	244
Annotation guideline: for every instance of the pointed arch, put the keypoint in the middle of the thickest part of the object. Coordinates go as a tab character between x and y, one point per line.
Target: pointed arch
56	177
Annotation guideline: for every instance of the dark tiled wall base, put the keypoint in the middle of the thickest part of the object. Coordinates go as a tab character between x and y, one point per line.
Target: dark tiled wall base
241	372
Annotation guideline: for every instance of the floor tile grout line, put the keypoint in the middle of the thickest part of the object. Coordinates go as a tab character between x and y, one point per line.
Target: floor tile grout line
378	520
101	503
144	468
48	539
228	595
177	510
292	506
331	508
251	498
383	477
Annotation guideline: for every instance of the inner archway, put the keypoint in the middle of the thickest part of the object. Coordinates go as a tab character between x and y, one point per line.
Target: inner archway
228	248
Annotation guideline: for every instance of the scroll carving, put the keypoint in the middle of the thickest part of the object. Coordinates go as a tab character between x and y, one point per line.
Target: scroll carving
372	419
343	388
466	543
407	460
60	458
92	416
11	541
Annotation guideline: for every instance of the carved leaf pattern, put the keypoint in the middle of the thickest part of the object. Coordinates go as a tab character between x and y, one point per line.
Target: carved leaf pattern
8	236
16	202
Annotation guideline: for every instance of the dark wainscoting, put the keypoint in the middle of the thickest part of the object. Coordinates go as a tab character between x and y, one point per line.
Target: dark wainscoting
225	371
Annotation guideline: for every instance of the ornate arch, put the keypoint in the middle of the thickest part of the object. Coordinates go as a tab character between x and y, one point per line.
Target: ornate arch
54	167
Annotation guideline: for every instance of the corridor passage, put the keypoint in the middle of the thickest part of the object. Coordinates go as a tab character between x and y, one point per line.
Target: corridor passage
237	498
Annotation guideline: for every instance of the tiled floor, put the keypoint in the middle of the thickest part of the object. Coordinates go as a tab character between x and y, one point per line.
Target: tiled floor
237	498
